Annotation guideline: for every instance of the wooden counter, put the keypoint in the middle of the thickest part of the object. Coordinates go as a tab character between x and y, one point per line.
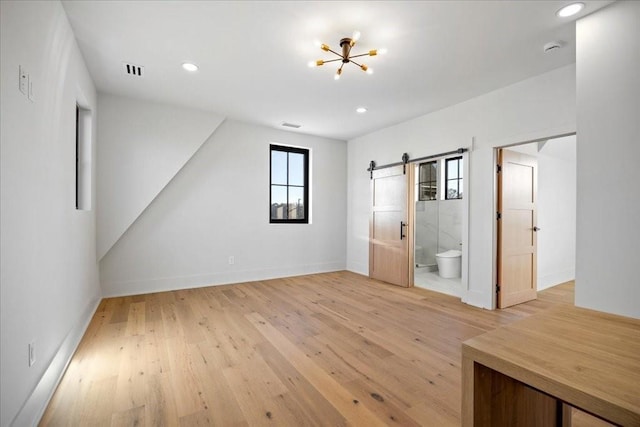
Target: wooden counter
522	374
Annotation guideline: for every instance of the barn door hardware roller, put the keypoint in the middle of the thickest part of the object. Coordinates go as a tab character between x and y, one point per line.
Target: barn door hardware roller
405	160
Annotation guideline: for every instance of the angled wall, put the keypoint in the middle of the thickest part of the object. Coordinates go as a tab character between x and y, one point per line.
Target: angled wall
217	206
142	145
48	270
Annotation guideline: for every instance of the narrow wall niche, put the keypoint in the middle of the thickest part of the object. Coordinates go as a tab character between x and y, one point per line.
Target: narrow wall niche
84	155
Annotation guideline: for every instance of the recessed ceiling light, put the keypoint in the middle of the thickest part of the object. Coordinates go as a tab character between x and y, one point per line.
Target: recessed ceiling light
189	66
570	10
361	110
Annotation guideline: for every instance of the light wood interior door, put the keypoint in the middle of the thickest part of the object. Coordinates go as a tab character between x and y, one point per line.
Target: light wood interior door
517	228
390	238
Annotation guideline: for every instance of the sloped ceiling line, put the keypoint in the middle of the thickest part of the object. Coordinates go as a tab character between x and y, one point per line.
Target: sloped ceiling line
142	146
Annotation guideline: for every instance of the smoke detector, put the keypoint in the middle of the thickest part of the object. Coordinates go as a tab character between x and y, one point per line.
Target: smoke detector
554	45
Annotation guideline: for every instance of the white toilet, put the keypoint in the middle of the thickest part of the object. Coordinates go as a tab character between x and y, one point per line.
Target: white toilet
449	263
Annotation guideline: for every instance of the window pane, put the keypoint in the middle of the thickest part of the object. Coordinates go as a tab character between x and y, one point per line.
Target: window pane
434	173
452	189
428	181
424	172
460	172
278	202
296	202
431	194
289	184
296	169
460	191
452	169
278	167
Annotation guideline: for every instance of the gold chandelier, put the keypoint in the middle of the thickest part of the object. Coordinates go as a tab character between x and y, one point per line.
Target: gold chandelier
346	44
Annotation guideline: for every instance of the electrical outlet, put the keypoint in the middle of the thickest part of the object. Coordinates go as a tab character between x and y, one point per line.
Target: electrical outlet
32	353
232	260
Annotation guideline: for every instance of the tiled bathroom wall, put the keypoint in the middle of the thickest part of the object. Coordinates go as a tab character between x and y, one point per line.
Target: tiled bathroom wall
438	226
450	225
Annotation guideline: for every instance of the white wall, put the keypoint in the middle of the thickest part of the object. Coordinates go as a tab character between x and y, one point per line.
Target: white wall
538	107
557	212
48	271
218	206
608	116
142	146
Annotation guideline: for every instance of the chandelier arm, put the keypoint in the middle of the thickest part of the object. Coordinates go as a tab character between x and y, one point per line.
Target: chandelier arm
335	53
355	63
357	56
332	60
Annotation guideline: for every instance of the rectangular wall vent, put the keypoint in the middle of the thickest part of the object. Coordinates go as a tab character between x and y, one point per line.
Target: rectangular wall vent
290	125
132	69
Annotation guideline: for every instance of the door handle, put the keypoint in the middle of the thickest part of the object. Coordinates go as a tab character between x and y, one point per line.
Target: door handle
402	225
537	228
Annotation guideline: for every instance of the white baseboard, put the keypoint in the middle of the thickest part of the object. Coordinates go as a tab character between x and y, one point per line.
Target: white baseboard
477	299
163	284
359	268
33	409
550	280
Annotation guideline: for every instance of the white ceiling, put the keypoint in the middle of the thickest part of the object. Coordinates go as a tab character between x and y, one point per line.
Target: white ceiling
253	55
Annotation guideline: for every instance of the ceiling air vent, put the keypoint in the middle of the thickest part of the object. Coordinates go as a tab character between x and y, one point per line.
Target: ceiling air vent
290	125
132	69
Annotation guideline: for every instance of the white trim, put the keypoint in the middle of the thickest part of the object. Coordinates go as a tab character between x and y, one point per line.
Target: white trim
358	268
477	299
554	279
35	405
466	197
163	284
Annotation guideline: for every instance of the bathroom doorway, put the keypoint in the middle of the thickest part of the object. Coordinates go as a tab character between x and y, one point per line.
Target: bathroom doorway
440	224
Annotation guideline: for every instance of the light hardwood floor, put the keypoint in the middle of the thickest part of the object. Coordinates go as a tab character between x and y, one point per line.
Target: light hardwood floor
326	349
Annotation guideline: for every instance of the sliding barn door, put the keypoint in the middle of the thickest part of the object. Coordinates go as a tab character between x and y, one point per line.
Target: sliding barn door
389	235
517	228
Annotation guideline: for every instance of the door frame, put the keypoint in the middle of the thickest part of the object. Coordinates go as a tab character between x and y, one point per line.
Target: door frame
494	299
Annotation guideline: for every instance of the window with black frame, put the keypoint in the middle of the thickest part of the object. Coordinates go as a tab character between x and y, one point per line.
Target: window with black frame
428	181
289	185
453	178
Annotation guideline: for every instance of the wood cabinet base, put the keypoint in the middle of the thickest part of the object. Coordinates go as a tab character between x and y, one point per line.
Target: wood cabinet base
529	372
499	400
